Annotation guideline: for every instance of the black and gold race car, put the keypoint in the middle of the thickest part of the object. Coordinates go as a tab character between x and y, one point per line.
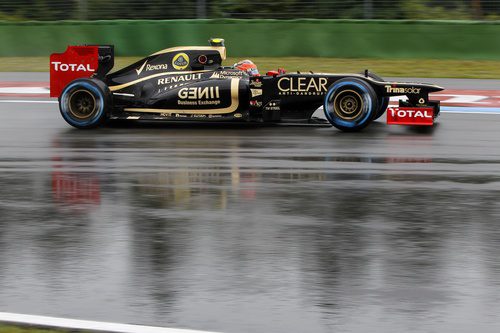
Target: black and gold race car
190	84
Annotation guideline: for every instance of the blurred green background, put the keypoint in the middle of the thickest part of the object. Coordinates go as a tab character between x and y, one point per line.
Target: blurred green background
402	38
279	9
27	329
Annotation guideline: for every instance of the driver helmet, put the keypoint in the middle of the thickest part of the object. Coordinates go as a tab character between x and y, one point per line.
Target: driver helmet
248	67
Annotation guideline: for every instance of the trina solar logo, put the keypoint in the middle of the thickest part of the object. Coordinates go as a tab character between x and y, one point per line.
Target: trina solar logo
401	90
60	67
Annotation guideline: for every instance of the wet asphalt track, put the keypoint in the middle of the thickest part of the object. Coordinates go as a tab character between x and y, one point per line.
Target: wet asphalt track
252	229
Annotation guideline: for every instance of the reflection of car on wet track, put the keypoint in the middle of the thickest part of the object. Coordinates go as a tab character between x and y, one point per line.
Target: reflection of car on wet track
190	84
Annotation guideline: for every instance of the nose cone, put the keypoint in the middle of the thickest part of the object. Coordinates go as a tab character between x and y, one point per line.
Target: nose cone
432	87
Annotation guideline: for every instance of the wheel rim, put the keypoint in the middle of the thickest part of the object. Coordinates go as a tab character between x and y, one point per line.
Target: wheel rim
82	104
348	105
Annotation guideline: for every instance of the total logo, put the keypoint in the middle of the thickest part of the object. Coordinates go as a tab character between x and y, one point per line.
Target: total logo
60	67
401	90
302	85
402	113
180	61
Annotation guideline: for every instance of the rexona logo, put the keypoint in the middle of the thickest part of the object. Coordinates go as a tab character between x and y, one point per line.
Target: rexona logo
156	67
401	90
180	61
139	71
302	85
151	67
60	67
199	96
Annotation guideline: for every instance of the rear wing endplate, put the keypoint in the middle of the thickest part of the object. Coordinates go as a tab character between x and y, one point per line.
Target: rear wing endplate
79	62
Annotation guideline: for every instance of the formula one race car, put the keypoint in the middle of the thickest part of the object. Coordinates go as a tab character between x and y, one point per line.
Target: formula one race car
190	84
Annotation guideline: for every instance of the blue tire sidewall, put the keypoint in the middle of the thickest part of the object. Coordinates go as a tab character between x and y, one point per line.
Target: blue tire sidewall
64	104
383	105
367	105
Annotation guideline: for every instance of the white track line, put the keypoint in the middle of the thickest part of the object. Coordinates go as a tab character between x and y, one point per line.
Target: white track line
24	90
26	101
73	324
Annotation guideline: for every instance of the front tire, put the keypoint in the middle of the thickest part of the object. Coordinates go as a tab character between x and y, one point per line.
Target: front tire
350	104
84	103
383	101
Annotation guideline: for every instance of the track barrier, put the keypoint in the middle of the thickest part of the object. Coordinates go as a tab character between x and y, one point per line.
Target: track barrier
464	40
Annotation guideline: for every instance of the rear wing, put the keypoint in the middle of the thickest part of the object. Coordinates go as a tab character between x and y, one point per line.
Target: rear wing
79	62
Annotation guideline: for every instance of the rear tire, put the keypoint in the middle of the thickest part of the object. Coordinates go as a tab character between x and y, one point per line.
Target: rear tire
84	103
350	104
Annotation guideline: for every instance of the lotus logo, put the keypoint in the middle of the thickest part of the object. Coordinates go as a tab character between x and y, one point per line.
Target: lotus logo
180	61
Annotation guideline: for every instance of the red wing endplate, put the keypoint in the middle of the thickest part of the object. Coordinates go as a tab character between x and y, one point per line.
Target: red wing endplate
76	62
423	116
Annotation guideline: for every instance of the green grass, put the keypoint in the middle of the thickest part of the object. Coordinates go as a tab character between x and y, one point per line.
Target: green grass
479	69
18	329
